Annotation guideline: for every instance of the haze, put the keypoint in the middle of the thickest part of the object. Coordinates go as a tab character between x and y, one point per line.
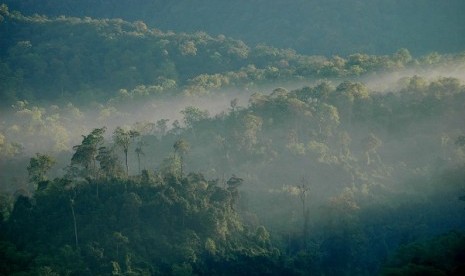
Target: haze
232	138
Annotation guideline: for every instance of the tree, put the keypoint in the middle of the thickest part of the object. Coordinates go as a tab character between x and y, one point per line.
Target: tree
344	144
85	154
109	163
233	184
349	95
122	139
328	119
234	105
139	151
402	57
38	168
120	240
193	115
224	164
303	190
370	145
71	201
249	129
176	128
162	126
181	147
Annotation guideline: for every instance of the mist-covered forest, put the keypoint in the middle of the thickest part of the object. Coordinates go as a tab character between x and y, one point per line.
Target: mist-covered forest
232	138
331	27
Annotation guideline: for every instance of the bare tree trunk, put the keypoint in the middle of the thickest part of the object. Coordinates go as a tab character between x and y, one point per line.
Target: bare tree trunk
305	223
75	225
138	161
368	158
182	161
126	159
303	190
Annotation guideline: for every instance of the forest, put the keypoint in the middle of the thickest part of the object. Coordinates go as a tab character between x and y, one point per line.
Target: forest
134	143
313	27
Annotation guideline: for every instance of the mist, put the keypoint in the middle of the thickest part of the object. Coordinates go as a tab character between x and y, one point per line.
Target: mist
393	81
53	129
131	150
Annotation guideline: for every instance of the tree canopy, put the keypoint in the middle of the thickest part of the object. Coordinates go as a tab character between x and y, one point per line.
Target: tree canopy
131	150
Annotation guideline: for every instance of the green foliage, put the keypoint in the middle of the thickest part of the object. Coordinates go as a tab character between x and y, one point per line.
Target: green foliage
384	168
38	168
312	27
130	224
113	59
122	139
99	220
442	255
109	163
85	155
192	115
181	148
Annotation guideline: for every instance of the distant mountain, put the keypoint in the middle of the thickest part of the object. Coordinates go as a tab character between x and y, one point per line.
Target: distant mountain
322	27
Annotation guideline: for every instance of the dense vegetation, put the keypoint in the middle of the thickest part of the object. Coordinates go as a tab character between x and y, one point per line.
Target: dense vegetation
321	27
85	60
363	166
126	150
138	227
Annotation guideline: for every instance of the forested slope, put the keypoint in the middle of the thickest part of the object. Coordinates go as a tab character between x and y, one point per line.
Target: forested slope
318	27
341	176
130	150
71	59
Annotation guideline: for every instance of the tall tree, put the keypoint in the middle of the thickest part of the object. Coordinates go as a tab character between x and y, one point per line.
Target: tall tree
247	134
71	201
233	184
85	154
327	120
109	163
139	151
370	145
122	139
38	168
181	147
350	95
193	115
162	126
303	191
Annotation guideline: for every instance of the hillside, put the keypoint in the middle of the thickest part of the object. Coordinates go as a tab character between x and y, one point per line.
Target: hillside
70	59
333	179
315	27
129	149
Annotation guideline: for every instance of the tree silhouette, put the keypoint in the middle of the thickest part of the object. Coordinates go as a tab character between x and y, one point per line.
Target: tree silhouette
38	168
181	147
370	145
303	190
122	139
85	154
139	151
